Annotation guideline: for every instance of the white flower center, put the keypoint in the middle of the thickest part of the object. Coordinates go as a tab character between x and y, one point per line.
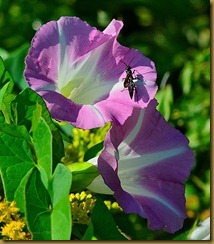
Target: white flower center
79	79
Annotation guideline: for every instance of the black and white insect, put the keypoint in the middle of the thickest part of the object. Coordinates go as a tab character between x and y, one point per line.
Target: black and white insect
130	81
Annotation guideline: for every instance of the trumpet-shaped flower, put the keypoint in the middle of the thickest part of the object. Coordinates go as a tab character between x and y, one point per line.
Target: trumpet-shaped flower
79	72
144	165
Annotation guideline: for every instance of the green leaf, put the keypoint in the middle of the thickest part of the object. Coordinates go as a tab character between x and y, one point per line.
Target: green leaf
186	77
165	100
6	94
16	161
89	234
93	151
103	223
5	76
23	107
83	174
37	114
38	207
2	93
78	231
61	221
48	213
26	170
42	141
6	110
16	131
15	63
4	53
65	131
182	236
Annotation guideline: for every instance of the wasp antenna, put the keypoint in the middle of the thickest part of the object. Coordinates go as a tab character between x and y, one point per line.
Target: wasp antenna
131	60
123	62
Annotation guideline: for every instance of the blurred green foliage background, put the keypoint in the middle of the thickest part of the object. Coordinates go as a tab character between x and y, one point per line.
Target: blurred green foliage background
174	34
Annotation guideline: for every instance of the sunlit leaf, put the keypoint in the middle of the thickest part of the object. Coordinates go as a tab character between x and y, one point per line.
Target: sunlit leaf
42	141
186	78
58	185
165	100
6	94
2	93
48	212
23	107
16	161
182	236
61	221
38	208
83	173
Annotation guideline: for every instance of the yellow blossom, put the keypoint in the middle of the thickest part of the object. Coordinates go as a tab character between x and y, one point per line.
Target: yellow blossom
81	206
7	211
13	231
82	141
12	225
113	207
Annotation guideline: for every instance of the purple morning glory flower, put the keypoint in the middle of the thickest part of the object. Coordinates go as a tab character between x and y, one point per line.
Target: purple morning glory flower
144	165
79	71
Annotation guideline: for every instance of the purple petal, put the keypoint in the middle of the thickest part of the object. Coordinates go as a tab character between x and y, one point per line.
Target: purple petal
77	69
113	28
145	162
66	110
42	67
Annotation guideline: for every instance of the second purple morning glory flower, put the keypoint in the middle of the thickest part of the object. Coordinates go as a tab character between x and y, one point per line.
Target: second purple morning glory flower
144	164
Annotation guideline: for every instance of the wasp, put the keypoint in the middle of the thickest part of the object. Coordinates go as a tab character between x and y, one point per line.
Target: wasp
129	81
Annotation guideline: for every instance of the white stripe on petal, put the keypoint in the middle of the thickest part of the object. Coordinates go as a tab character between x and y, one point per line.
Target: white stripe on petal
98	186
123	146
94	161
131	186
78	79
136	162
